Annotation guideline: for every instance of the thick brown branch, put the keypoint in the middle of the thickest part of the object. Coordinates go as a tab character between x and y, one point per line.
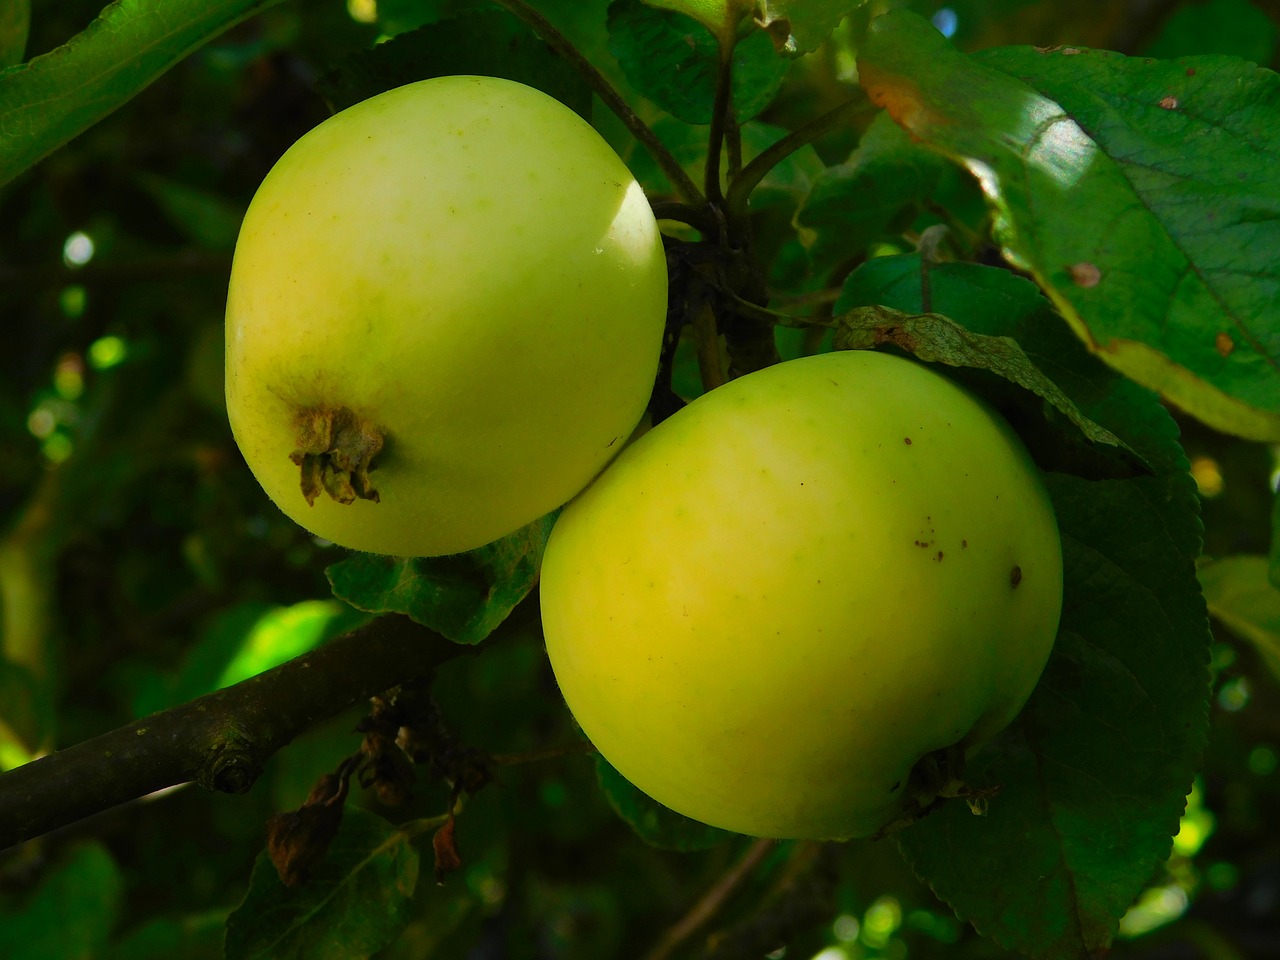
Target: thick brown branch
221	740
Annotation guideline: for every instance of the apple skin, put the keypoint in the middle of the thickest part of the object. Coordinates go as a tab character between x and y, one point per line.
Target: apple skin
465	265
778	600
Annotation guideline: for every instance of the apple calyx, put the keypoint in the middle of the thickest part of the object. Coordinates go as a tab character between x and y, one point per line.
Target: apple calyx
336	452
936	777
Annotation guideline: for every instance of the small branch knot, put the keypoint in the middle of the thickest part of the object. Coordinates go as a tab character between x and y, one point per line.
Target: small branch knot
336	452
230	765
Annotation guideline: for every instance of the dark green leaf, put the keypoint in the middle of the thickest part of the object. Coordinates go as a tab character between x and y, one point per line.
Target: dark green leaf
47	101
15	23
672	60
206	218
195	936
935	338
800	26
655	824
1233	27
463	597
492	44
1141	195
84	883
354	903
872	196
1094	773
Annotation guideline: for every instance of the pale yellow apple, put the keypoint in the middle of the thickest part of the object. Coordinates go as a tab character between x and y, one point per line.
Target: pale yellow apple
767	610
457	284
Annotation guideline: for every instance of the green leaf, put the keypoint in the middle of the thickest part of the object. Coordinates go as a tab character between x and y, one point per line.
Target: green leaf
673	60
1141	195
26	714
195	936
15	24
655	824
354	903
801	26
84	884
463	597
721	17
1233	27
1242	597
493	44
1094	772
244	641
207	218
873	196
48	100
936	338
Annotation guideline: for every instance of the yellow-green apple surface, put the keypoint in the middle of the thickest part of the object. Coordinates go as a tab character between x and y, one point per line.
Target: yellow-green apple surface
780	603
444	317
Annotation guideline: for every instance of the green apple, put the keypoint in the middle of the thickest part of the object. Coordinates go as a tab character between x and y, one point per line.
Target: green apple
444	317
774	609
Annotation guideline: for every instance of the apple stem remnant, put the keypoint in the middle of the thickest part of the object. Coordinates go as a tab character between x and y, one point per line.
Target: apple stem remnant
336	450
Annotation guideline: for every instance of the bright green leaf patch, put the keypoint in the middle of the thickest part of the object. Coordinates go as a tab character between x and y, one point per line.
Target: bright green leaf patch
47	101
463	597
493	44
673	61
1076	831
655	824
26	714
1162	257
354	902
800	26
1243	599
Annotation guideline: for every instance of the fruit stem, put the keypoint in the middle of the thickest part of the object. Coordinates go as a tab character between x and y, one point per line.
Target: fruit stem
564	48
336	451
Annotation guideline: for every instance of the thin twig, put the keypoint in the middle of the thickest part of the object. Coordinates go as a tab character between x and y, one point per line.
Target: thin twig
535	756
711	902
564	48
719	118
759	167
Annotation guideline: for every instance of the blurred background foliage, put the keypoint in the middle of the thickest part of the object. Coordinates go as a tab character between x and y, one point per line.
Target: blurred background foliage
141	565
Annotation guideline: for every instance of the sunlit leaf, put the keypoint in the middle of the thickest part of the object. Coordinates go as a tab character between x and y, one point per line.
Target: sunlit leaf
26	714
800	26
48	100
1242	597
1159	255
721	17
355	902
242	642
